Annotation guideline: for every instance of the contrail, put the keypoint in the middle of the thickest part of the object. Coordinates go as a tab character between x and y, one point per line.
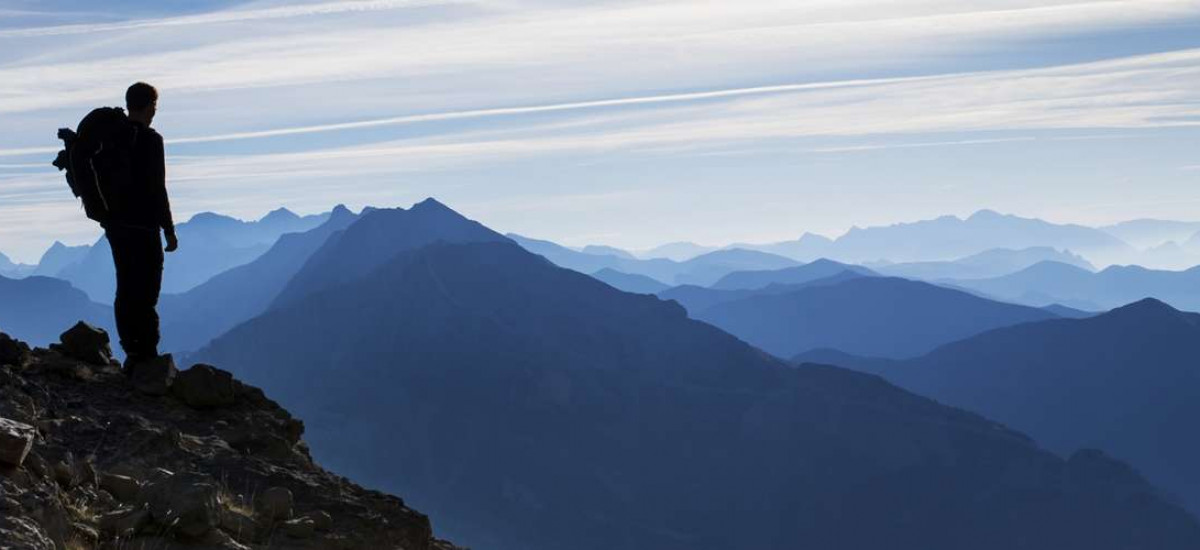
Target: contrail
510	111
224	17
579	105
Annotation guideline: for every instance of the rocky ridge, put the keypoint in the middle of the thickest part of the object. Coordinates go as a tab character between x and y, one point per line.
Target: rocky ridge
94	458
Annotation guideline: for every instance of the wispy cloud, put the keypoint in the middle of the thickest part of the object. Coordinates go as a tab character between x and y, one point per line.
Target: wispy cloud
265	98
213	18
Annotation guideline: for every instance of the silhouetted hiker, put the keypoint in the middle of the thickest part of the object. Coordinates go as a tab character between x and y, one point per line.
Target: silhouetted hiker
133	231
115	164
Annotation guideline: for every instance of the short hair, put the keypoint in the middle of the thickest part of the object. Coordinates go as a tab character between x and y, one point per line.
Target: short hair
139	96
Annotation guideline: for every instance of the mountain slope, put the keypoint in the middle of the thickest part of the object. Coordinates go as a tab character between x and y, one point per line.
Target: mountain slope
58	257
37	309
872	316
191	319
629	282
532	407
818	269
697	299
1124	381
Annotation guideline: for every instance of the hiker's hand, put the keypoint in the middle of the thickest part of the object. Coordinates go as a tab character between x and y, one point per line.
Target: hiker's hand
172	242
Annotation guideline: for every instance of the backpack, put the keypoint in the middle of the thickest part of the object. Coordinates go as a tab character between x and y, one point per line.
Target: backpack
98	159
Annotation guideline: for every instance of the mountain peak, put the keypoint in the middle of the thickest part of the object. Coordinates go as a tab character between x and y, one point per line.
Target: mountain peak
1145	306
431	204
279	214
210	217
340	212
986	215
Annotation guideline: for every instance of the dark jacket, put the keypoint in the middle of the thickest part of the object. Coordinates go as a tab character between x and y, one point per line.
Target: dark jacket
144	200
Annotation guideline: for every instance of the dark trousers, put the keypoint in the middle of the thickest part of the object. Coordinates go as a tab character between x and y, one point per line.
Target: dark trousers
138	256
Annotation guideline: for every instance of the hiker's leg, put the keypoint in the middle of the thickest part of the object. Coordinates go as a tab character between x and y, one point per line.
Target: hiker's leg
125	301
138	256
153	270
146	281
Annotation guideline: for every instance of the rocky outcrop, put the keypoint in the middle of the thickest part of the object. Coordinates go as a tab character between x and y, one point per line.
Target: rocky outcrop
91	460
86	343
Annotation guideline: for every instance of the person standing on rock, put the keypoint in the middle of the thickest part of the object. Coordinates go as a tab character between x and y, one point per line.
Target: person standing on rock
133	232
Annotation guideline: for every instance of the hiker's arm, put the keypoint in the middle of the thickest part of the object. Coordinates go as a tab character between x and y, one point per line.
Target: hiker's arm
163	202
160	188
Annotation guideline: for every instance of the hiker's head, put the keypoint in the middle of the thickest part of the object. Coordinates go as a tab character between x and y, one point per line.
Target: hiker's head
141	100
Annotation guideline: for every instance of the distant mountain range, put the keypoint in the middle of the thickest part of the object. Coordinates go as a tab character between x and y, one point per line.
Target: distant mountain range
1153	233
209	244
190	319
991	263
531	407
1052	282
938	240
59	257
862	315
702	270
11	269
1125	381
38	309
678	251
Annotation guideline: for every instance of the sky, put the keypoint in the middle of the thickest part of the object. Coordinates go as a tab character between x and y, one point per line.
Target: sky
625	122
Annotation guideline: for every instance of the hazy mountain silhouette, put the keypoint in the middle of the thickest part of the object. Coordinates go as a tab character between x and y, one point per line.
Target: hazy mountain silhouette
701	270
1171	256
709	268
38	309
696	299
949	237
1125	381
1193	243
58	257
11	269
818	269
809	247
639	284
939	240
871	316
531	407
677	251
1051	282
211	244
608	251
194	317
1147	233
991	263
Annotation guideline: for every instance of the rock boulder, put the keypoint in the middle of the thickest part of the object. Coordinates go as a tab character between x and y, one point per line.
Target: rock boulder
205	387
86	343
16	439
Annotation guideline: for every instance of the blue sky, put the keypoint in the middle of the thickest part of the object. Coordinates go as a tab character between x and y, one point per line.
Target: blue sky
625	122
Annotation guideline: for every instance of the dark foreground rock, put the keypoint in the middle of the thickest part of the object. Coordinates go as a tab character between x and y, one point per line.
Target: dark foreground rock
213	464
